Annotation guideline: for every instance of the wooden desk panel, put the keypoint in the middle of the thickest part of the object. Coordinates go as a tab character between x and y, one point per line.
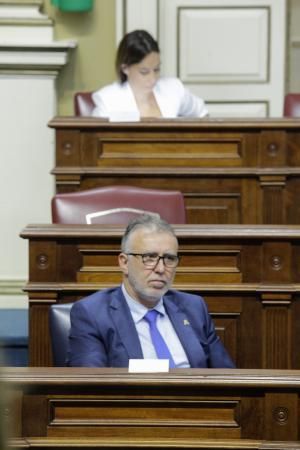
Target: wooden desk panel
186	408
230	171
249	277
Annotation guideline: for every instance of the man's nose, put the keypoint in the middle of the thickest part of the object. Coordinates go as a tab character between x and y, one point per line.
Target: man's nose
160	266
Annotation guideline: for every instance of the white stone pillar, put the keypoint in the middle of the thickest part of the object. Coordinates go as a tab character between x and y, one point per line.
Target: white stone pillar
29	64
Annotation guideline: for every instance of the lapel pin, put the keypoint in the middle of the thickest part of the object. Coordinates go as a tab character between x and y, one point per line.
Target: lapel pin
186	322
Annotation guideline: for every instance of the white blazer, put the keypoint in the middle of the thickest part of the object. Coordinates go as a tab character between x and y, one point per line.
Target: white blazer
173	99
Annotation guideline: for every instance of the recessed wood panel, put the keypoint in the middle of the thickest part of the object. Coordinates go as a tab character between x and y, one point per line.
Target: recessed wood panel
230	171
151	413
196	266
174	153
214	208
227	326
277	320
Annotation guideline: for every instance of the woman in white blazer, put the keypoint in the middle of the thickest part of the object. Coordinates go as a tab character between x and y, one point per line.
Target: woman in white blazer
140	91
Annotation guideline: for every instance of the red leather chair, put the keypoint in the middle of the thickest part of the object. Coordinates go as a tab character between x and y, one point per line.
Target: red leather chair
117	205
83	104
291	105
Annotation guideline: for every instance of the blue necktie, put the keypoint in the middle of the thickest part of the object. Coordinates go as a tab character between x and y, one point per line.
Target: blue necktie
159	344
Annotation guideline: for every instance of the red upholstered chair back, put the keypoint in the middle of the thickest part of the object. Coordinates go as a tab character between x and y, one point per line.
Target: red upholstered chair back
83	104
117	205
291	105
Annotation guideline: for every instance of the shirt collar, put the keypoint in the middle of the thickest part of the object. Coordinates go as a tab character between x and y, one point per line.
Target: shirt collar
137	309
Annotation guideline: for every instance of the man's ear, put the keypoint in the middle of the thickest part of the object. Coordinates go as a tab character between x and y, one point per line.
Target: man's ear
123	263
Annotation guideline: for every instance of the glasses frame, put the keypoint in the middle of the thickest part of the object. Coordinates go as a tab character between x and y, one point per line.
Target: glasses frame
151	266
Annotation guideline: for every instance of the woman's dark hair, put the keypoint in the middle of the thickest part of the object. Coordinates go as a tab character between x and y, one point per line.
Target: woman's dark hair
132	49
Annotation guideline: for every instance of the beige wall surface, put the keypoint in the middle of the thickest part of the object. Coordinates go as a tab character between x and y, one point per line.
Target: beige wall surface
91	64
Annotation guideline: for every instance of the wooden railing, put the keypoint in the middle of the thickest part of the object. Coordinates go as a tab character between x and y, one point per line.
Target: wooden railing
186	408
249	277
230	171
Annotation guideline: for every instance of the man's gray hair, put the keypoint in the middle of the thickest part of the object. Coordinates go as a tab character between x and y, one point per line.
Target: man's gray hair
148	221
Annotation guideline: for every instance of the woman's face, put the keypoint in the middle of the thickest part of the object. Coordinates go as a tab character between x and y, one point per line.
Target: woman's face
144	75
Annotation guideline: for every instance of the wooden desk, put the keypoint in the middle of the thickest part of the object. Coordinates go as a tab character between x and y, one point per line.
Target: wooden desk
230	171
186	408
249	277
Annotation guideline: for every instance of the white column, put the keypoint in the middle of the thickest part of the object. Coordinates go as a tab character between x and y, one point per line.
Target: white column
29	64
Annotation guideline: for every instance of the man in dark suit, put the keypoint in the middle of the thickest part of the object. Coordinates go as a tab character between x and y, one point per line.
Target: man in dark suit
144	318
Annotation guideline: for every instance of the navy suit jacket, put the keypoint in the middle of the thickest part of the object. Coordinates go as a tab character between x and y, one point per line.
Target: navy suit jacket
103	333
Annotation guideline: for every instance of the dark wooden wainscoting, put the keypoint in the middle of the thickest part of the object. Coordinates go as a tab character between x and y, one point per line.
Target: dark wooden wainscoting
249	277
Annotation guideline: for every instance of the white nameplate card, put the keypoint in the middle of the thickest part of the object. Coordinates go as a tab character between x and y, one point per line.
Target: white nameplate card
148	365
124	116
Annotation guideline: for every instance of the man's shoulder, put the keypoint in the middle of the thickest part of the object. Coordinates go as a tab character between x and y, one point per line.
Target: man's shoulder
191	304
100	299
183	297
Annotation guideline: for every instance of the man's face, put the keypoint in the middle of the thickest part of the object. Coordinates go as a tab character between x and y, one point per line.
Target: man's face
144	284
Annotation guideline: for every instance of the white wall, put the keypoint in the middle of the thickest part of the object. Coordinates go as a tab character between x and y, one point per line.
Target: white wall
26	159
29	64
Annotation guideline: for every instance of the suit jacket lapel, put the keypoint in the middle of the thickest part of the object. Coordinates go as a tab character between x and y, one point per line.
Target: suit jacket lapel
131	104
186	333
125	326
165	105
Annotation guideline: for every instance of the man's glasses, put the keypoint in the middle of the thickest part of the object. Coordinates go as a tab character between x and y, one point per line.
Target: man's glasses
152	259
